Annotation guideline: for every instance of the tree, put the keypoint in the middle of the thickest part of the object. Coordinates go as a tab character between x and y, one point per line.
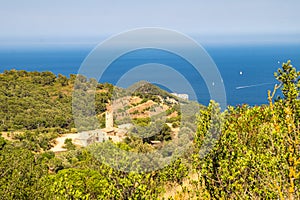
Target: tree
68	144
2	142
289	110
78	184
20	172
257	154
289	78
63	80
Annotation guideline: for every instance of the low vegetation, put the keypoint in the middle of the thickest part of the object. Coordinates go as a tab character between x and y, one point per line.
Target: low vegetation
255	151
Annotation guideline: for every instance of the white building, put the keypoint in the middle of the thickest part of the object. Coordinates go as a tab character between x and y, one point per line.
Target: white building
87	137
182	96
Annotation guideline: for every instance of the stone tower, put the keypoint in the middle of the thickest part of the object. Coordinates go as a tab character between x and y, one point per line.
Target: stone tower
109	117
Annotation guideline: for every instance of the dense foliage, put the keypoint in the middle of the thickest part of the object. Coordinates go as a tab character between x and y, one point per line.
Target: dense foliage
257	155
32	100
255	151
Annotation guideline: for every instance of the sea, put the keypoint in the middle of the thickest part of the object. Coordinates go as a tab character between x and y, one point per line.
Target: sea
246	70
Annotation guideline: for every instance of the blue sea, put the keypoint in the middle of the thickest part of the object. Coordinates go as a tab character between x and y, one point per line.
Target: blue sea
247	70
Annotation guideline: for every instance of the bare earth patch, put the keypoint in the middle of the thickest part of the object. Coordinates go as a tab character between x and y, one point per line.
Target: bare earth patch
61	140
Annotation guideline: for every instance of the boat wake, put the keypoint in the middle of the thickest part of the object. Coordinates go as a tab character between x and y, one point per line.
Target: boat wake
255	85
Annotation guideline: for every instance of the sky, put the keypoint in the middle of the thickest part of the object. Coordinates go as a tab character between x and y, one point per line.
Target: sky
91	20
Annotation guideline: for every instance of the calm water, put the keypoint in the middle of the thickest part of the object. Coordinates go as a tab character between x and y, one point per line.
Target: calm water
247	70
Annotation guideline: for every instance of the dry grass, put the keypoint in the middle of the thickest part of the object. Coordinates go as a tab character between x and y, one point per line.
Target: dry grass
186	191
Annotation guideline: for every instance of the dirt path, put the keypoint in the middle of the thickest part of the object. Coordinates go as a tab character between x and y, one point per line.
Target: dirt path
61	140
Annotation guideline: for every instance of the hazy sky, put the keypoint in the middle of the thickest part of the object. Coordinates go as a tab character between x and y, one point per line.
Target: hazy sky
42	19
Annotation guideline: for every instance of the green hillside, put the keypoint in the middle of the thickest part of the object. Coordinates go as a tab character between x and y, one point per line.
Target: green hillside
251	152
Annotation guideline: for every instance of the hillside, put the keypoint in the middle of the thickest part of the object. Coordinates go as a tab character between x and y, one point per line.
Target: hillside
243	152
31	100
42	102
